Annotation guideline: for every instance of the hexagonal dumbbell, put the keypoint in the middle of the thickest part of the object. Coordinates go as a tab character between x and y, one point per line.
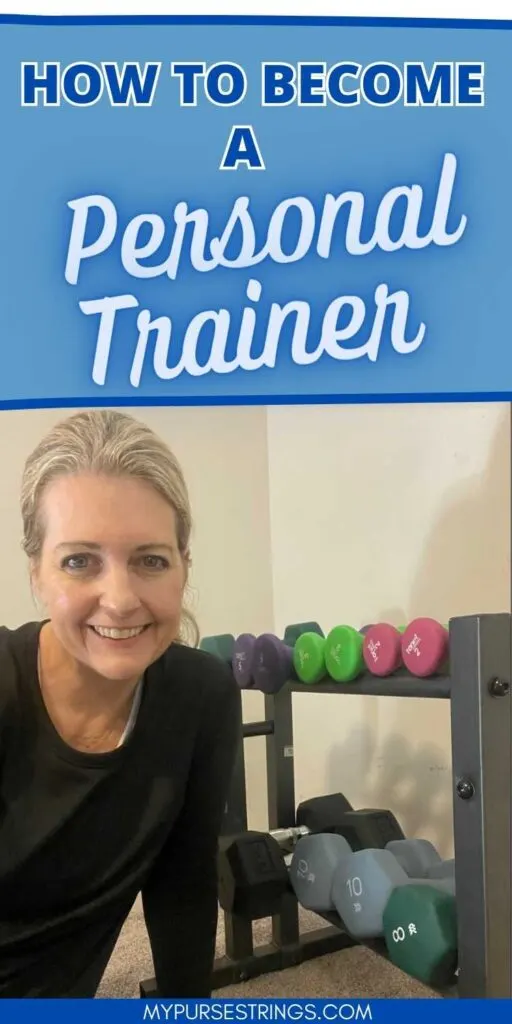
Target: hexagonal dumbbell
314	862
362	886
420	859
252	874
420	931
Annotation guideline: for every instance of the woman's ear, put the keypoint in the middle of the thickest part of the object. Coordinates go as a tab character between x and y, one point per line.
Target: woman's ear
34	580
187	562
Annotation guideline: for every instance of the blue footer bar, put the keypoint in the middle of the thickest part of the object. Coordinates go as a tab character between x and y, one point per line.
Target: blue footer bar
292	1010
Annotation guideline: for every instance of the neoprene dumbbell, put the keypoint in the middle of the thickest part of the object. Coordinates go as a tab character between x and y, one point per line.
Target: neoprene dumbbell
425	647
221	646
273	658
242	660
265	662
362	886
316	857
420	931
273	663
420	859
337	656
445	869
343	654
382	649
293	632
314	862
251	870
308	658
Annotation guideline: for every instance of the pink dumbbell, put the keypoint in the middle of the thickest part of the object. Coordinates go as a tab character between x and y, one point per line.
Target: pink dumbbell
425	647
382	649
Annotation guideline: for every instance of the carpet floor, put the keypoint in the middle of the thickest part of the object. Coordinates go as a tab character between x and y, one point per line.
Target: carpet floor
354	973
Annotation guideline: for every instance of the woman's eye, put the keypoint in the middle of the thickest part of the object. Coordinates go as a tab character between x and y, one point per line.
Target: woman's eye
76	562
155	562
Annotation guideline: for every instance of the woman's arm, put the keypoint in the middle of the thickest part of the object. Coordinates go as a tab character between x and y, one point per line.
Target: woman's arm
180	897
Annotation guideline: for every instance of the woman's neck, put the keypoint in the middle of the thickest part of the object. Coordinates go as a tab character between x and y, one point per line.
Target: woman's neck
89	712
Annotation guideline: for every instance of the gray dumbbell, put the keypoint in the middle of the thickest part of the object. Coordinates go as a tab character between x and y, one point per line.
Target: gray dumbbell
362	885
420	859
446	869
312	868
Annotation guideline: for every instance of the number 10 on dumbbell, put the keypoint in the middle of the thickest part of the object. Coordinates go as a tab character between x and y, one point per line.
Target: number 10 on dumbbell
355	888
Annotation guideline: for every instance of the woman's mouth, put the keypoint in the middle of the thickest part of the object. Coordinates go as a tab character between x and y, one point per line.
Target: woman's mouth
111	633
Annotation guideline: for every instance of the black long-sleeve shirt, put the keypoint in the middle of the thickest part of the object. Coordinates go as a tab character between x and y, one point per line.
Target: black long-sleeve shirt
81	834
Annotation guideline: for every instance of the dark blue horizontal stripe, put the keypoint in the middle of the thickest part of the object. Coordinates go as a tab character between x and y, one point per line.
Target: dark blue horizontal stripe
227	19
233	400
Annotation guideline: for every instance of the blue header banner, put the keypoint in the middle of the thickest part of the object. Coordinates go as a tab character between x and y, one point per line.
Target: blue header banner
235	211
289	1011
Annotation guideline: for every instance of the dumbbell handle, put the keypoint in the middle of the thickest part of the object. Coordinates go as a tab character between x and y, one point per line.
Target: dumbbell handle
284	836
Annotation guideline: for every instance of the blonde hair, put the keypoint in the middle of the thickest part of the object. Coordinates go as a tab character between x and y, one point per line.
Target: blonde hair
112	443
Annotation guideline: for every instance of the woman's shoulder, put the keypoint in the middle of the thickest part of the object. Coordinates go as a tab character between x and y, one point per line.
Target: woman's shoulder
200	669
18	657
19	636
200	664
17	641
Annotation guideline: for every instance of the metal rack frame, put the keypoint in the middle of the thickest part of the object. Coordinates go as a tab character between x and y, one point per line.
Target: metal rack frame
478	688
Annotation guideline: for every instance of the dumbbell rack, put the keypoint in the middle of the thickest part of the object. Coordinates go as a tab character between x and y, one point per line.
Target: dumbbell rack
478	688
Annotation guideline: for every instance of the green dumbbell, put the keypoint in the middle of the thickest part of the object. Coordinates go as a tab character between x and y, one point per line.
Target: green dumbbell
343	654
420	931
363	885
310	655
308	658
296	629
221	646
265	662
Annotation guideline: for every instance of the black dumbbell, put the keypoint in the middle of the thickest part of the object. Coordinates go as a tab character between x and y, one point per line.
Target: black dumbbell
253	875
252	871
366	828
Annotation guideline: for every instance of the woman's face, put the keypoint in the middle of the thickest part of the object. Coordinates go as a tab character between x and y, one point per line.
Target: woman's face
110	573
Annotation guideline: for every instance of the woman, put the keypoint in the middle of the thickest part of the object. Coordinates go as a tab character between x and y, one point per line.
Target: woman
116	738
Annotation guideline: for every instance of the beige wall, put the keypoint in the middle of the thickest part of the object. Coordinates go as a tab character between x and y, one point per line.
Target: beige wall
341	514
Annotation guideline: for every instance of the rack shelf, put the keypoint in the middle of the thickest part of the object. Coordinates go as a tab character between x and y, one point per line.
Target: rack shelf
400	684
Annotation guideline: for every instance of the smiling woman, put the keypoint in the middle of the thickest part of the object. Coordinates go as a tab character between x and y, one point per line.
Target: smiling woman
117	737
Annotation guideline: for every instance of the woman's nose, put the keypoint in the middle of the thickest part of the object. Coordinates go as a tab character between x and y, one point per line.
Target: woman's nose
118	595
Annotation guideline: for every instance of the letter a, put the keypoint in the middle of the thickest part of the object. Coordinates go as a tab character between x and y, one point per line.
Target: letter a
242	148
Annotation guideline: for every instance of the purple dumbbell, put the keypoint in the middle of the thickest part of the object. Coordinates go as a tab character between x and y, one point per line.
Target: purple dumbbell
272	663
243	660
